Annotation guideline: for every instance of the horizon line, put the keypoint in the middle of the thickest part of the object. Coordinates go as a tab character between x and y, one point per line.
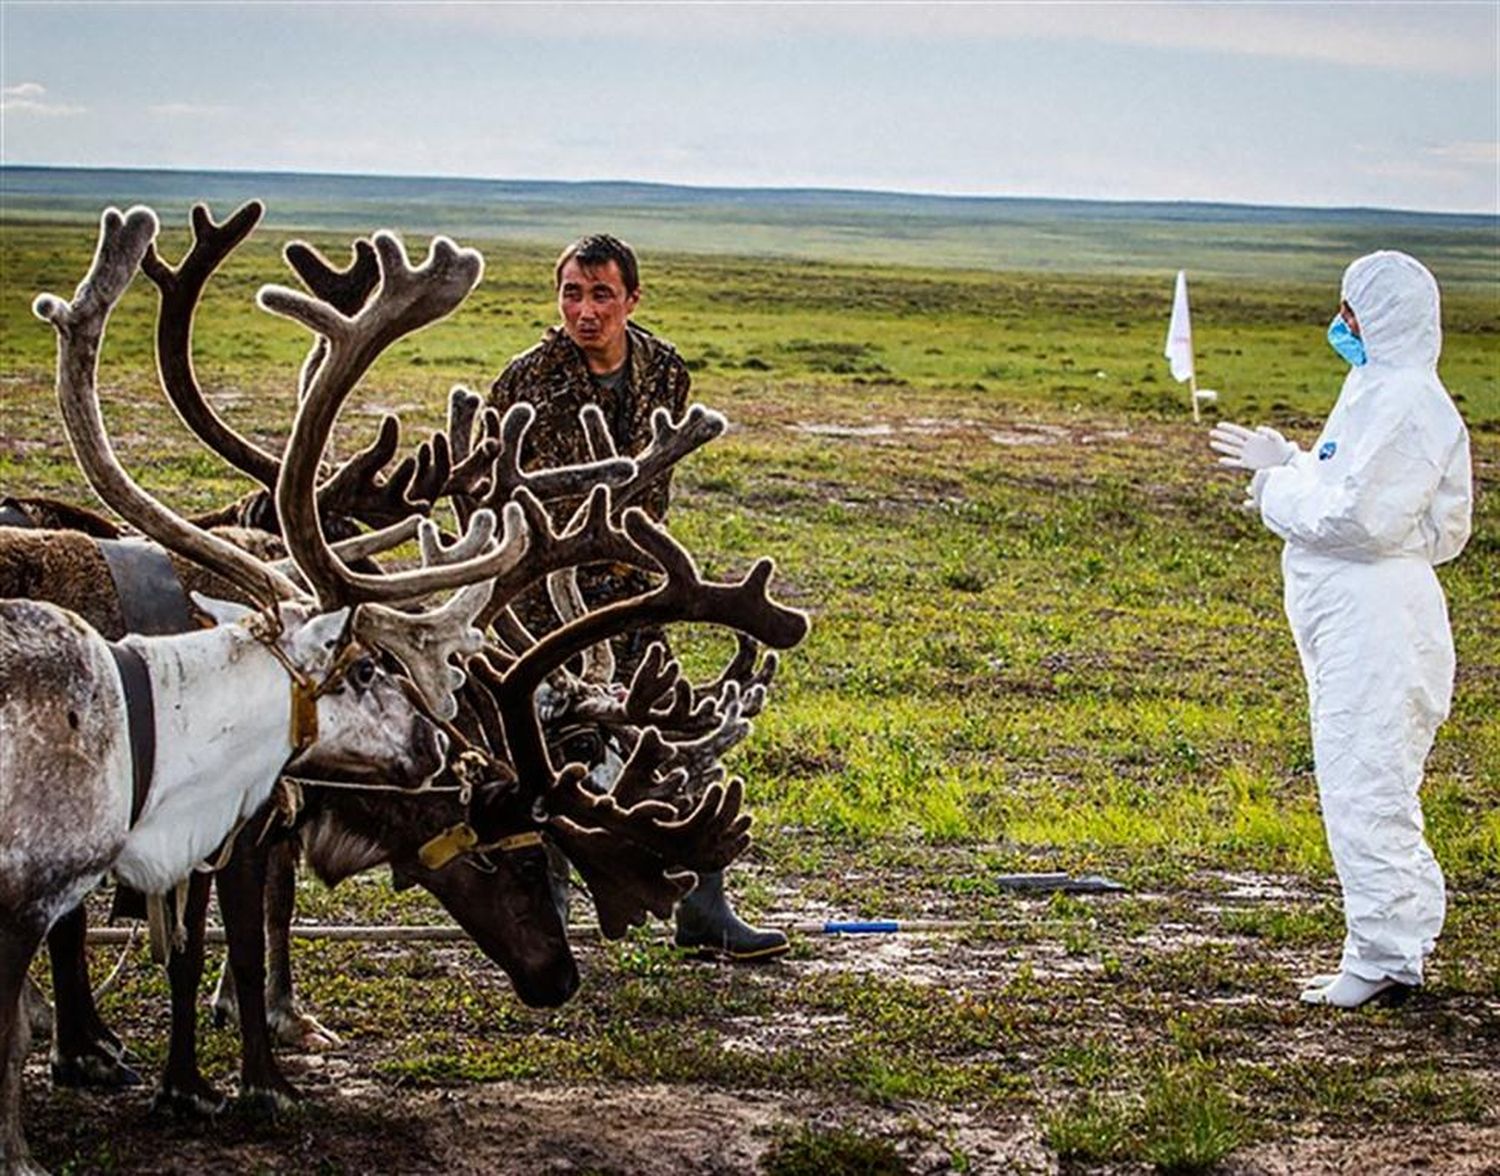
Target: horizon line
787	189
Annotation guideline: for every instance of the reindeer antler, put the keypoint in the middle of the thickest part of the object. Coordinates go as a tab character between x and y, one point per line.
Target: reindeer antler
631	846
508	436
632	859
406	300
347	289
357	489
671	441
181	288
123	243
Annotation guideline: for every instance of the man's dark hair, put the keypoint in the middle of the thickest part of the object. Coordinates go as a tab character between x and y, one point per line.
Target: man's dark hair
599	250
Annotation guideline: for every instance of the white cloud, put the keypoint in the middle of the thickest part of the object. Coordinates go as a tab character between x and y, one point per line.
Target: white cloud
29	98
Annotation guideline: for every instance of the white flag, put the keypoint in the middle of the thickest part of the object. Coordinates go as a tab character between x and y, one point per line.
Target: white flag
1180	333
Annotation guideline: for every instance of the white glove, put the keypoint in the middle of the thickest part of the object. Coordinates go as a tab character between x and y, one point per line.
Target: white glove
1247	449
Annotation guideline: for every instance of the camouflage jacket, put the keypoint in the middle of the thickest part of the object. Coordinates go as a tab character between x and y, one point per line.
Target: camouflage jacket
553	378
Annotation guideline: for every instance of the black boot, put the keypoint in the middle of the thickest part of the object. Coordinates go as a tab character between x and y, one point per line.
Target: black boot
706	922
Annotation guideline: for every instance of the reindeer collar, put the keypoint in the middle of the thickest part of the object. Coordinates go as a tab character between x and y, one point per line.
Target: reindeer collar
140	713
461	839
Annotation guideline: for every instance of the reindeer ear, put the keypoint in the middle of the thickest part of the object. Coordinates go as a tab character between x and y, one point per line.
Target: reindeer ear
324	630
223	612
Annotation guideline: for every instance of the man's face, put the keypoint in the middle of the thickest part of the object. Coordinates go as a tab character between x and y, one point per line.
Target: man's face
594	307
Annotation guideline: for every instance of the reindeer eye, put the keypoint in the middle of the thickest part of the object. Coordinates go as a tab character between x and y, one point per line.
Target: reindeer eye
362	673
581	747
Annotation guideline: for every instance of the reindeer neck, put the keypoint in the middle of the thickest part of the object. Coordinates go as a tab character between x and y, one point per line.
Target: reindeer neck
223	707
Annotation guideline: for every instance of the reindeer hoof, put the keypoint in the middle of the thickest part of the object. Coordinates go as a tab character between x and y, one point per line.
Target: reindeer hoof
94	1071
262	1102
304	1033
201	1102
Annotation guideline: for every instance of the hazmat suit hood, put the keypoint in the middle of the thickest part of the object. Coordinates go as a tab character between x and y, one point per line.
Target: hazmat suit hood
1395	299
1390	474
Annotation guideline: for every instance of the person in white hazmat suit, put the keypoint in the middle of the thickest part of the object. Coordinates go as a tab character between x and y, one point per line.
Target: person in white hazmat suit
1383	497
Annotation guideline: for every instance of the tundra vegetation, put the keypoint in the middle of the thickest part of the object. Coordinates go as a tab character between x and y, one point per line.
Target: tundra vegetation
1044	639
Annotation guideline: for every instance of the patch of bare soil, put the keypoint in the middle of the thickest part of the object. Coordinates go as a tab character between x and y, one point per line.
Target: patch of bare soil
1009	434
1445	1150
524	1128
1172	963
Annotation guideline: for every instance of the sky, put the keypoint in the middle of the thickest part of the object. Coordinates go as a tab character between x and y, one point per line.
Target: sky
1387	105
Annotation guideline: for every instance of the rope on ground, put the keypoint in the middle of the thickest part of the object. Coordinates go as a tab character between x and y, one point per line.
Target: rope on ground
445	932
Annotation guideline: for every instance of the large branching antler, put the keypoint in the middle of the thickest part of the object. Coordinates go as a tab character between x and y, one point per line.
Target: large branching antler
406	300
506	435
422	642
359	488
637	861
671	441
632	846
181	288
123	242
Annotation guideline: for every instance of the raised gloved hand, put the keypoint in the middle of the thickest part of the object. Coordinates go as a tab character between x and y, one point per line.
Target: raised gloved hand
1250	449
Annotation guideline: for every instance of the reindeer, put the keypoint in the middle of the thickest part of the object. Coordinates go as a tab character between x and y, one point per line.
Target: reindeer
297	685
332	828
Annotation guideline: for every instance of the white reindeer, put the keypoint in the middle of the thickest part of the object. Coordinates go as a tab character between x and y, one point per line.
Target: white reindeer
297	686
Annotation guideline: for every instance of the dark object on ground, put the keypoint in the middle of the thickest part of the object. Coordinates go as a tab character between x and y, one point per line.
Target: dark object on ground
1060	883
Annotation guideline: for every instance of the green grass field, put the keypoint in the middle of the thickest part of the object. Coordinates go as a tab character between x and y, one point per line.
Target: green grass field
1044	638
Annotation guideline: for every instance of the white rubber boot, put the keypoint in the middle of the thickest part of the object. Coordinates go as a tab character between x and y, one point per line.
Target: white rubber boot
1349	991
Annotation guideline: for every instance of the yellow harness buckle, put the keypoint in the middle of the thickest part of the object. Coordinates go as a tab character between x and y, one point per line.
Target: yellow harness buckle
447	845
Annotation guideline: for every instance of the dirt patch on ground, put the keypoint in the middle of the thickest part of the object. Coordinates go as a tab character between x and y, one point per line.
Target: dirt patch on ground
532	1129
1029	1004
1441	1151
1005	434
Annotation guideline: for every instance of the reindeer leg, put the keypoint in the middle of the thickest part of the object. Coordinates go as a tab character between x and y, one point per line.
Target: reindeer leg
290	1024
17	947
183	1088
242	892
84	1051
38	1009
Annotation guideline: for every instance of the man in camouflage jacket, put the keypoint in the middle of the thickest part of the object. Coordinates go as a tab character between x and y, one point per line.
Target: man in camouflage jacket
598	356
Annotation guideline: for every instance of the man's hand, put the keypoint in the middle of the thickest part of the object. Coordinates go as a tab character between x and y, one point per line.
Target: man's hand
1250	449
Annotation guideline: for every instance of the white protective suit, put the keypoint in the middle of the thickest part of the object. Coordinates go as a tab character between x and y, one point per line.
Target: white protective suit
1383	497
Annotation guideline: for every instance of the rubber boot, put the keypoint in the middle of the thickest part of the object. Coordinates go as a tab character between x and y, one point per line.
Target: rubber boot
707	923
1349	991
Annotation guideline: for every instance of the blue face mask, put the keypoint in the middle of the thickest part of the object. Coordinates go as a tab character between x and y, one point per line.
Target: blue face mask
1349	345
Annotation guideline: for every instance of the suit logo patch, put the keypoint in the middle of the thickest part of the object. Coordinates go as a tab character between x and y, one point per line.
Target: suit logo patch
1327	450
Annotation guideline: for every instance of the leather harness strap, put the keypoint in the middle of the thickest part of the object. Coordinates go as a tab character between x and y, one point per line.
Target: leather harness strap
12	515
140	711
151	598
